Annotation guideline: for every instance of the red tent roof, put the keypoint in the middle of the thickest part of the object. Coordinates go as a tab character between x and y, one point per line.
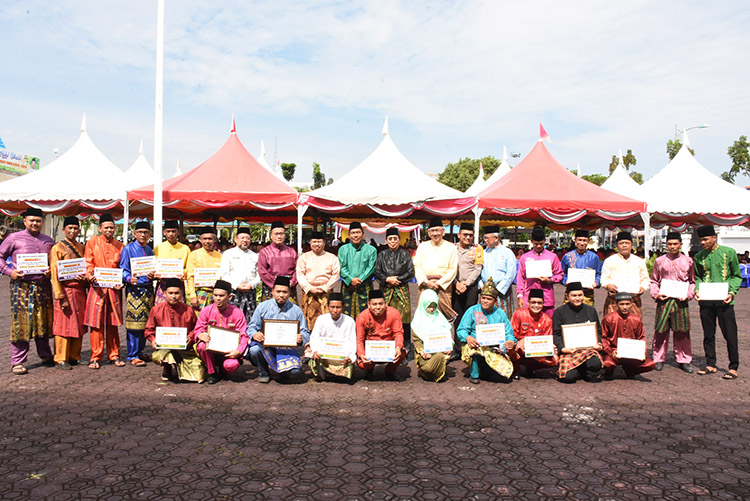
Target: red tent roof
231	178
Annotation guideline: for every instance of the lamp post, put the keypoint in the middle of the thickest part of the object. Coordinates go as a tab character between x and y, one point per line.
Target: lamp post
677	131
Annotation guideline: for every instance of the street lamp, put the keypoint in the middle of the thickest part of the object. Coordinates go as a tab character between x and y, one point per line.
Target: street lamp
677	132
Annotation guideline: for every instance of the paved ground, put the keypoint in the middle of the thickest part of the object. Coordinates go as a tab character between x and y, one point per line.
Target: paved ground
122	433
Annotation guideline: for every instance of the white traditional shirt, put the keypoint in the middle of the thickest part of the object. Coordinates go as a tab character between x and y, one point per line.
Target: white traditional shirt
342	330
433	259
615	267
239	267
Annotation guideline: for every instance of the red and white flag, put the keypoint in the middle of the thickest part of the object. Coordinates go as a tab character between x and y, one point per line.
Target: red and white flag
543	133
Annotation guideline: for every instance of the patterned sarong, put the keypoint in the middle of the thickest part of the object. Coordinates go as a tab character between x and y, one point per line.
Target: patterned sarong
672	314
103	307
189	365
138	301
569	361
281	359
498	362
506	302
31	310
313	306
245	301
334	367
398	297
205	297
355	301
160	295
70	324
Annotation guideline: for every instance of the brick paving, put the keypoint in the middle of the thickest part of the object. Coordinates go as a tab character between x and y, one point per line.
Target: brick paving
121	433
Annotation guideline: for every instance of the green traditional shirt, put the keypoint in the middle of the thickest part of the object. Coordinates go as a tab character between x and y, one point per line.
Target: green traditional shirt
719	265
357	262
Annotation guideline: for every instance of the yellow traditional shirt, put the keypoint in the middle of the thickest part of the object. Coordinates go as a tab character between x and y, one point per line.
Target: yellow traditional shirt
436	260
199	258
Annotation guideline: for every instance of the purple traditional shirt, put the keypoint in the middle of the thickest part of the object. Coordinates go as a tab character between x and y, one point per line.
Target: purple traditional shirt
524	285
275	262
23	242
680	268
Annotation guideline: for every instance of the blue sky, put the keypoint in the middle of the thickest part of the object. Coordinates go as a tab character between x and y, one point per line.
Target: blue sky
317	78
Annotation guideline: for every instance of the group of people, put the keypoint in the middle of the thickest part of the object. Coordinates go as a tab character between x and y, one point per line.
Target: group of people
199	310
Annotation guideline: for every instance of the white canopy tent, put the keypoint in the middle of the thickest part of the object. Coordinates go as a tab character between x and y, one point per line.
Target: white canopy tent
621	183
501	170
138	174
478	183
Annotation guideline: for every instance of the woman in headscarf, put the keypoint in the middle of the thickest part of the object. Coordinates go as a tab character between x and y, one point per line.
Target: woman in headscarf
431	331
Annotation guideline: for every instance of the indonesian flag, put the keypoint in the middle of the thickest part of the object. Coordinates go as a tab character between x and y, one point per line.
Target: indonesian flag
543	133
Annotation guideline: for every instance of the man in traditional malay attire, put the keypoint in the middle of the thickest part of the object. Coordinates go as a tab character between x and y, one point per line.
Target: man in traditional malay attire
30	293
333	326
428	321
177	365
317	273
578	363
239	267
225	316
524	284
170	248
394	269
499	263
277	260
528	322
717	263
581	258
623	324
436	265
672	312
624	266
70	298
208	256
103	305
380	323
479	358
139	293
283	361
357	260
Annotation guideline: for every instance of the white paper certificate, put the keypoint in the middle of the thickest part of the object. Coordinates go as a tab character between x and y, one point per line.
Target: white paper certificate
577	336
631	348
713	291
171	338
169	268
628	283
586	276
673	288
108	277
205	277
70	269
281	333
538	269
380	351
539	346
222	340
32	264
331	349
490	334
142	266
438	342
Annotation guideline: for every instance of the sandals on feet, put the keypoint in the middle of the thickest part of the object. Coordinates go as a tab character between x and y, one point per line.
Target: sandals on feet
137	362
732	374
707	370
94	364
117	362
19	370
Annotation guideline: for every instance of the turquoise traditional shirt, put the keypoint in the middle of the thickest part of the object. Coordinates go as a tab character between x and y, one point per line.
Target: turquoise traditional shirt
476	315
357	262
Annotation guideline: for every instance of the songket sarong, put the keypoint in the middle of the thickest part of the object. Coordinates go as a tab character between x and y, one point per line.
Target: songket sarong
138	302
280	359
313	305
569	361
189	365
205	297
70	324
267	293
103	307
506	302
31	310
610	305
334	367
433	369
498	362
444	304
672	314
398	297
355	301
245	301
160	295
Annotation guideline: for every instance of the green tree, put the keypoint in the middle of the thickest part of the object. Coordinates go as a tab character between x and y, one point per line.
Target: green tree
462	174
740	156
628	160
597	179
673	147
287	170
319	179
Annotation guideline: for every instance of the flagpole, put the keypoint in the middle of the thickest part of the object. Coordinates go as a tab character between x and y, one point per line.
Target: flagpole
159	123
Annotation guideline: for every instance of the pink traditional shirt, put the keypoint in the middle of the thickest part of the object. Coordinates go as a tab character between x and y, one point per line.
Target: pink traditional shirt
277	261
318	271
680	268
231	318
524	285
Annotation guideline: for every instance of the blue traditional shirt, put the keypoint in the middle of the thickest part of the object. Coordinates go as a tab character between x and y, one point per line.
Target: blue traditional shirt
500	264
269	310
476	315
133	249
588	260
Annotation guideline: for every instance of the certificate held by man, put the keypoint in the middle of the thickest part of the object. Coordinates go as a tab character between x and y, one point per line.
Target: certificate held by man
634	349
713	291
32	264
628	283
205	277
171	338
490	334
71	269
380	351
331	349
280	333
673	288
539	346
108	277
579	336
222	340
538	268
169	268
586	276
142	266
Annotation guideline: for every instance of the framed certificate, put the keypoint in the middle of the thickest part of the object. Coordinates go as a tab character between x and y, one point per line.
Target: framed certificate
538	269
32	264
586	276
490	334
578	336
171	338
628	283
330	349
169	268
70	269
539	346
222	340
631	348
438	342
674	288
380	351
142	266
280	333
205	277
108	277
713	291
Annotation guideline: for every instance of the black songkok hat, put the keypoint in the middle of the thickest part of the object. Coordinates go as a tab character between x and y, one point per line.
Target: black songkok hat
537	234
392	232
282	280
243	229
277	224
624	235
706	231
171	224
31	211
674	235
173	282
355	225
623	296
491	229
573	286
223	285
207	230
335	296
435	222
106	217
582	233
71	220
142	225
536	294
317	235
466	227
376	294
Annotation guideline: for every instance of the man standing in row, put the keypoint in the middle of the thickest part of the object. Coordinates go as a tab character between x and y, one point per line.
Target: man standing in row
436	265
524	283
239	267
394	269
277	260
208	256
170	248
357	260
466	289
624	268
499	263
139	293
317	273
583	259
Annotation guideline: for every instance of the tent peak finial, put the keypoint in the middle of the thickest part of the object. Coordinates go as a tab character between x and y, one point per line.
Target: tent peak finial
178	170
140	148
505	154
685	138
262	149
83	123
385	126
234	126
